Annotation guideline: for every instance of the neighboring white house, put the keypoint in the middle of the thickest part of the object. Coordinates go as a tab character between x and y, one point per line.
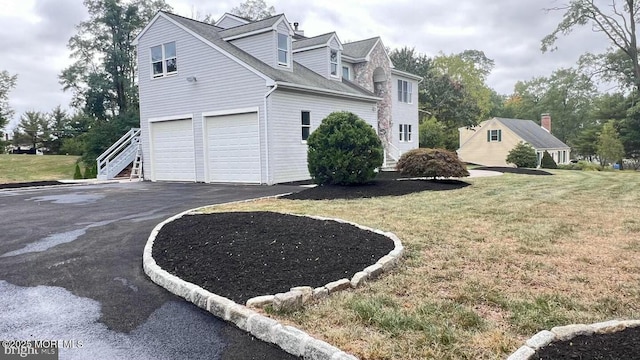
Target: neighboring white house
490	142
235	101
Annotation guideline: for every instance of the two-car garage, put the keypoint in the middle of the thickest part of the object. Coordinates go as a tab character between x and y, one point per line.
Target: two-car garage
230	150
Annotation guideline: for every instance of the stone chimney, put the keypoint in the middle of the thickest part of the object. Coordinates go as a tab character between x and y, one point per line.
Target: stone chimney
545	122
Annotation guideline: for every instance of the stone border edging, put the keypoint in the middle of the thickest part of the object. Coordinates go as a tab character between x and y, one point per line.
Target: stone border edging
561	333
288	338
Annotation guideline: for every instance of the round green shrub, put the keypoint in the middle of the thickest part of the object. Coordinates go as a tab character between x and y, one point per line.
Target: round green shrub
523	156
343	150
431	163
547	161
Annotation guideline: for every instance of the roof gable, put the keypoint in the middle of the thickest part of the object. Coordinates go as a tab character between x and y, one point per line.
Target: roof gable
532	133
360	50
257	27
231	18
316	42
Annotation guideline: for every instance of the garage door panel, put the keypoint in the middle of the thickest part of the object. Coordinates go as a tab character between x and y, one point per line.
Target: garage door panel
173	153
233	148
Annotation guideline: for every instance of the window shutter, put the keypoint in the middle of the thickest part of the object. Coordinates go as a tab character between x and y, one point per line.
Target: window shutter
488	135
499	135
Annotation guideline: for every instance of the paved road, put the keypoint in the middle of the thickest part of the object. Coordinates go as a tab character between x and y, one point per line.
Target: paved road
71	270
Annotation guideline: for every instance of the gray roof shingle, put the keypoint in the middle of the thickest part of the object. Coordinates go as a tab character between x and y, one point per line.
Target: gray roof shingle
532	133
359	49
254	26
299	76
313	41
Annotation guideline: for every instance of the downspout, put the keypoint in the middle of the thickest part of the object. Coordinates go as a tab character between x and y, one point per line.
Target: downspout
266	130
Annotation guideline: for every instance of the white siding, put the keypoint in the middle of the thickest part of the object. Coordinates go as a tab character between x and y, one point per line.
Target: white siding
287	151
403	113
221	84
229	22
316	60
334	43
262	46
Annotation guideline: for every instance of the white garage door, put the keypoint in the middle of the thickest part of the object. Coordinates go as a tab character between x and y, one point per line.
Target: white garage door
233	148
172	150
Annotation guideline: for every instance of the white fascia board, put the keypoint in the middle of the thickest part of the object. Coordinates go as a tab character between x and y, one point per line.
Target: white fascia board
327	91
220	50
406	74
251	33
310	48
352	60
335	36
135	41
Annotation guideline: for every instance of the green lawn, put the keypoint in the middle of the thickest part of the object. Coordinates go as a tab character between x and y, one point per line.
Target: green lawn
486	267
19	168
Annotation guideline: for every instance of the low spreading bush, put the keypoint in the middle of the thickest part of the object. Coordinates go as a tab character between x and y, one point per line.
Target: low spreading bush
77	174
547	161
343	150
581	165
431	163
523	156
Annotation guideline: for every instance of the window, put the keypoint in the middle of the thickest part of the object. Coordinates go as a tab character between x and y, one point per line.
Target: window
405	132
494	135
333	59
345	72
306	125
283	49
163	60
404	91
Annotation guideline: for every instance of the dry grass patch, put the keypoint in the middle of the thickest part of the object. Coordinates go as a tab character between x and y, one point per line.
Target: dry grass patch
486	267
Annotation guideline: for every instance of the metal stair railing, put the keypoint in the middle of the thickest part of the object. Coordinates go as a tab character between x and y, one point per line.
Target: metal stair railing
119	155
391	156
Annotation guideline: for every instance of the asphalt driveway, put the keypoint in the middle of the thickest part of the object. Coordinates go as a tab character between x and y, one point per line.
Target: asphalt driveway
71	270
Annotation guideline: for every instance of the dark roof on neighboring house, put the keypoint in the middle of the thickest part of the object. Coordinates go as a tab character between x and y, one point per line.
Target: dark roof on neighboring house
532	133
313	41
250	27
359	49
300	75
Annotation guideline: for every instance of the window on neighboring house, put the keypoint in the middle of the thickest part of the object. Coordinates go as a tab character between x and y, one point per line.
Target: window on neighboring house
405	132
164	60
283	49
405	89
306	125
345	72
333	59
494	135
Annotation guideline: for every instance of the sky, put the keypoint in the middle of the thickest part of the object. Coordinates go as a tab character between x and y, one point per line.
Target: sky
34	36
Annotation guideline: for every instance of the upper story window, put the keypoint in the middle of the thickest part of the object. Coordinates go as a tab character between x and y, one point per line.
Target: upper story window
346	72
405	132
163	60
333	60
283	49
405	89
494	135
306	125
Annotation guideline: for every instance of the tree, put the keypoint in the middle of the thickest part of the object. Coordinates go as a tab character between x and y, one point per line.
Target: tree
610	148
547	161
32	129
618	24
254	10
523	156
585	144
7	82
59	128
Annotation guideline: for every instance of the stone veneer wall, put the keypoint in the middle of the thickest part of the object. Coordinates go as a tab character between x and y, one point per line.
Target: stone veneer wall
363	76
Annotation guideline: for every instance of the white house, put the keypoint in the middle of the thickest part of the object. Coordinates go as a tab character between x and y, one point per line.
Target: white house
236	101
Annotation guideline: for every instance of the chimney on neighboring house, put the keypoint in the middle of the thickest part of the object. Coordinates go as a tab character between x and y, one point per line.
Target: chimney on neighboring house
296	30
545	122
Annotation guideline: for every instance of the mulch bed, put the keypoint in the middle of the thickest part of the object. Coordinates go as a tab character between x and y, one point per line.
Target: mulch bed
512	170
240	255
620	345
386	183
29	184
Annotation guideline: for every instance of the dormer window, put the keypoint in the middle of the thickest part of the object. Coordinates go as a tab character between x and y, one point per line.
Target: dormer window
333	59
283	49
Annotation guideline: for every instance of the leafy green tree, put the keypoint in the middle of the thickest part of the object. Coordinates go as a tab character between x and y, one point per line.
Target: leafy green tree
59	128
523	156
7	82
33	129
431	163
343	150
254	10
585	144
547	161
610	148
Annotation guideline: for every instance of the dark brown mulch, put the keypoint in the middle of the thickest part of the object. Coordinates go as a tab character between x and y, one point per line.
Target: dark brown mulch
621	345
386	183
240	255
29	184
512	170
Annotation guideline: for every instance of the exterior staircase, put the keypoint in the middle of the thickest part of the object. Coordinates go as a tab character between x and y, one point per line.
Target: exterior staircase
391	156
121	154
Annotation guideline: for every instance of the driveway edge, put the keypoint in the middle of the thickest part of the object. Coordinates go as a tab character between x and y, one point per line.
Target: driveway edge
288	338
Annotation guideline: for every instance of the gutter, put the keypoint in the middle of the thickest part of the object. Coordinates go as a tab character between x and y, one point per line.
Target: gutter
325	91
266	130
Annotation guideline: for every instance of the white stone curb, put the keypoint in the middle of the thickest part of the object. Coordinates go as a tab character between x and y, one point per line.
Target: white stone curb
560	333
290	339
